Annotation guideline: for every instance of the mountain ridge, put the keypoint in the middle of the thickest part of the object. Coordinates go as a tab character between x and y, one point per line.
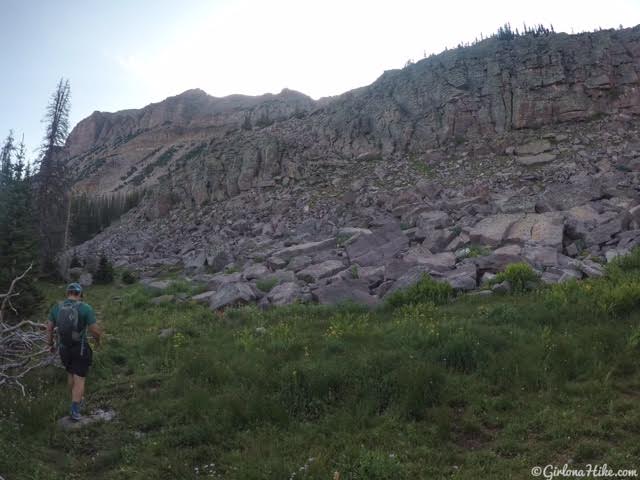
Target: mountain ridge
520	150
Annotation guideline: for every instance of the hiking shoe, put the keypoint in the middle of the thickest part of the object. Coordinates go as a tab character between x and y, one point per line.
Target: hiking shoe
75	412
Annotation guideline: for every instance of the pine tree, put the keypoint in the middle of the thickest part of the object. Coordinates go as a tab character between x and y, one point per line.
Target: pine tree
18	239
104	273
53	184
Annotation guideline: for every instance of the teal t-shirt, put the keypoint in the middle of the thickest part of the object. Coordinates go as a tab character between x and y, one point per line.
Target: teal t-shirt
85	314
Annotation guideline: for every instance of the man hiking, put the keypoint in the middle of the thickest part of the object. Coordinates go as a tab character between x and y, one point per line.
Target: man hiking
72	318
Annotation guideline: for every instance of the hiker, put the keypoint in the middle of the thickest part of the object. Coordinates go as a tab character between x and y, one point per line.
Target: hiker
72	318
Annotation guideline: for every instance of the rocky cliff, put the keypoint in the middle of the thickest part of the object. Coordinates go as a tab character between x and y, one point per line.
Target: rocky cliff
527	145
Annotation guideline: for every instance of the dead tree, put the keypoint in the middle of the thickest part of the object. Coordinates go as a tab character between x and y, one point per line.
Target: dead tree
52	178
23	346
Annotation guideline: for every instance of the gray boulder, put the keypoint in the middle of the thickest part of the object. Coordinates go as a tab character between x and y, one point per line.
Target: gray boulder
276	263
502	287
305	248
462	278
220	279
156	285
492	230
298	263
541	257
313	273
85	279
203	298
438	262
541	229
288	293
163	299
232	294
409	278
499	258
255	271
343	290
66	423
432	220
534	147
539	159
377	247
218	260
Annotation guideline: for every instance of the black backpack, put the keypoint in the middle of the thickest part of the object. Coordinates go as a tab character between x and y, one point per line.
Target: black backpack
69	325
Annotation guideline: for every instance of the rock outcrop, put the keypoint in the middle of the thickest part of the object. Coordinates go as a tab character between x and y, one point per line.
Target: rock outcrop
507	151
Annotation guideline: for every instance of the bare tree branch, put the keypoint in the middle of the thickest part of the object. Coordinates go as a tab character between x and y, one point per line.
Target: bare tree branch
23	345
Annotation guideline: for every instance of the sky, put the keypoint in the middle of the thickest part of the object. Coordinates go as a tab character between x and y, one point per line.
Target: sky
121	54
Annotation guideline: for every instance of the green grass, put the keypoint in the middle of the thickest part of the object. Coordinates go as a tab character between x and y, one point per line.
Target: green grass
470	388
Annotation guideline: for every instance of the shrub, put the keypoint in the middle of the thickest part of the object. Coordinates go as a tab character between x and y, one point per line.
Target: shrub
104	273
478	251
426	290
266	284
625	264
520	275
128	277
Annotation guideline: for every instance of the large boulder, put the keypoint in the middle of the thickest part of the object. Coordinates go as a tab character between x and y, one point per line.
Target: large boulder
534	147
499	258
564	196
232	294
288	293
432	220
344	290
377	247
313	273
541	257
436	240
463	277
492	230
204	297
154	285
298	263
218	280
305	248
540	229
539	159
409	278
604	232
217	260
85	279
438	262
255	271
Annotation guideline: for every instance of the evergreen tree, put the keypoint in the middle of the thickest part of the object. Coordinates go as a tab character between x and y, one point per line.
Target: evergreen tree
104	273
18	238
53	184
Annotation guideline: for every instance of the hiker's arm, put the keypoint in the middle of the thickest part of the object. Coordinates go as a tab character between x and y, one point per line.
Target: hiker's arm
50	335
96	332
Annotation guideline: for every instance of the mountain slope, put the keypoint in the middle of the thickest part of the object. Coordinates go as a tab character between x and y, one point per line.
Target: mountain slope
521	150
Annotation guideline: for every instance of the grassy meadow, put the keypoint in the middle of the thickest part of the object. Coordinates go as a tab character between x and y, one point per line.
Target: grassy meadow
428	387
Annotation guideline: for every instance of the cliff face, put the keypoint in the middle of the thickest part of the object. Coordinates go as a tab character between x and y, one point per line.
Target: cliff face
204	148
508	151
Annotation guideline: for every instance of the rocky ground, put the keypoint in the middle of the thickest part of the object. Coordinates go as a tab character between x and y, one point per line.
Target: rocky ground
562	198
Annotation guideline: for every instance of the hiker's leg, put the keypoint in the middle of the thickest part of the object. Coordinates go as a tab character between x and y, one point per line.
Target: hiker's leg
78	389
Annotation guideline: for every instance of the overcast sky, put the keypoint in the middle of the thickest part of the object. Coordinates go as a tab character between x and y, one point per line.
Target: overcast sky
122	54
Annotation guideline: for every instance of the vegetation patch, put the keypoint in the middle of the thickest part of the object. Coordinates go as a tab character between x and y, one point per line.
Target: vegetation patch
488	385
